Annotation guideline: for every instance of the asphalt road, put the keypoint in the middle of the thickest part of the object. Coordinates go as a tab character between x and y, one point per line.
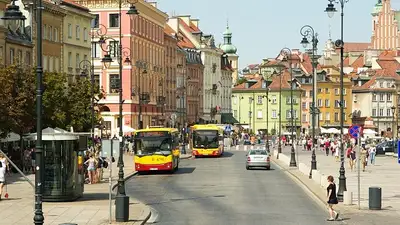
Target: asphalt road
210	191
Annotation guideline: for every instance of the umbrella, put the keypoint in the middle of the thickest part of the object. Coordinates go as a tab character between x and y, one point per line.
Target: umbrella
369	131
126	129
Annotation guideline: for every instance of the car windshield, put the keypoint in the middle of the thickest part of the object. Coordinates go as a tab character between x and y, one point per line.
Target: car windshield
205	139
153	145
258	152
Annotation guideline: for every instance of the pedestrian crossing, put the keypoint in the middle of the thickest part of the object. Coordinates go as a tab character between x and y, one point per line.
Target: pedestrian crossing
244	147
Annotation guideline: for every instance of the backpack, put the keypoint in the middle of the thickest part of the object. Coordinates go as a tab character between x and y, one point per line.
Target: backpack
1	164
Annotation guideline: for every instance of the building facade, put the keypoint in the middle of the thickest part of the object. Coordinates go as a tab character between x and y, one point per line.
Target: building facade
15	46
143	43
194	72
169	83
231	51
385	26
76	39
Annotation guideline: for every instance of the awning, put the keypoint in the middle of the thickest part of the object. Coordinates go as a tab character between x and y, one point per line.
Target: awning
227	118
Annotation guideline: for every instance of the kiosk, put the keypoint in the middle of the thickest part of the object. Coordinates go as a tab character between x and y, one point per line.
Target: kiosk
63	165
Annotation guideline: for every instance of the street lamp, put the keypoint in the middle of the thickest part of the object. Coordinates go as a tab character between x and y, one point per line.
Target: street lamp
83	66
12	13
267	114
121	199
281	68
330	10
287	56
393	112
309	35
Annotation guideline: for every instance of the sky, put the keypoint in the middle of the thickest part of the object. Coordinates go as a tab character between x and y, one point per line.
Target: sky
261	28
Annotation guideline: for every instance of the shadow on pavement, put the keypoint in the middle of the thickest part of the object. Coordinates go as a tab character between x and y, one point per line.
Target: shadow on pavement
93	197
261	169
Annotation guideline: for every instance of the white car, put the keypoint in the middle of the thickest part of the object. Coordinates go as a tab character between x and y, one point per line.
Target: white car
258	158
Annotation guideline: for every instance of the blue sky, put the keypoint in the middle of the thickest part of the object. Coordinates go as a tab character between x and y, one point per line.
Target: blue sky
261	28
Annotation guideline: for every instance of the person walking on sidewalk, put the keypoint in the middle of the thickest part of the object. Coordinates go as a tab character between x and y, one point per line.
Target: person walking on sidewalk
3	169
332	199
372	153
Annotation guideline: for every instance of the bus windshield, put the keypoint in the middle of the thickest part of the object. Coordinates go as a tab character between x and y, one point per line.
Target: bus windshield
146	144
205	139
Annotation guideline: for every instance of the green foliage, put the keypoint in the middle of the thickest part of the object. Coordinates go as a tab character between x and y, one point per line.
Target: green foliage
17	99
241	81
63	105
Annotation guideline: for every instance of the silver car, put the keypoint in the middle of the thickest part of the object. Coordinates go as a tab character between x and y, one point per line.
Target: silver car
258	158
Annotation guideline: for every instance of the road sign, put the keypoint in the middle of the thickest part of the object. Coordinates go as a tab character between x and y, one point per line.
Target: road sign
398	152
354	131
228	128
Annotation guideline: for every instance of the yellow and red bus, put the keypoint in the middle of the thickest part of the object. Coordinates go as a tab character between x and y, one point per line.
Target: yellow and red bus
206	140
156	149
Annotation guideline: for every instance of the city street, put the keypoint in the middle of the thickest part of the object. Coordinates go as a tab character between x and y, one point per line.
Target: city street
221	191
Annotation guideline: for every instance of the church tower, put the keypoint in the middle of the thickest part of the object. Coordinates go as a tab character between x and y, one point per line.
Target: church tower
231	50
385	26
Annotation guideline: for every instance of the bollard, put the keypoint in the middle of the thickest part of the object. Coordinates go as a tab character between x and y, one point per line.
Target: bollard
245	147
375	198
348	198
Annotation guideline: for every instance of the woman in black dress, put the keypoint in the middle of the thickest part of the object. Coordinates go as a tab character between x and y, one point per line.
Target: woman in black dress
332	199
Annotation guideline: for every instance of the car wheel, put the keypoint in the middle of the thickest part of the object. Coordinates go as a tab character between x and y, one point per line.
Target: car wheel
247	168
268	167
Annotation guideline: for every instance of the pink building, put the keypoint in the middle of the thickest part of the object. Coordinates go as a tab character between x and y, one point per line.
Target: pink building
385	26
142	41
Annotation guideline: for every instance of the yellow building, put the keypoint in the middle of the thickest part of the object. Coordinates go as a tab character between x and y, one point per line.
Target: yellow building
328	98
76	39
15	47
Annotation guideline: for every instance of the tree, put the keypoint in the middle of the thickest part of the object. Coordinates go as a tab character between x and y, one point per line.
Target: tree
17	99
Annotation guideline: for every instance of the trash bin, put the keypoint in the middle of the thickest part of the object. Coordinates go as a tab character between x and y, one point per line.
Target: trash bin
375	198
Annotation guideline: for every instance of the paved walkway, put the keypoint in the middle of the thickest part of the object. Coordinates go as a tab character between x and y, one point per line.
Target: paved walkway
385	174
92	209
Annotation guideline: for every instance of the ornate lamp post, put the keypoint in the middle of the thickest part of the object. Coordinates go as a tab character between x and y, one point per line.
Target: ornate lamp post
287	56
281	69
393	113
267	115
13	14
121	199
83	66
309	35
330	10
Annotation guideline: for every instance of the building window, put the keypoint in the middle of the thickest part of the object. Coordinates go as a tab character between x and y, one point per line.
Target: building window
95	21
78	60
274	116
12	56
304	105
336	117
288	114
259	114
344	91
304	117
69	30
337	104
327	91
273	98
288	100
28	58
373	112
113	20
55	34
327	103
320	116
250	100
69	59
114	83
114	48
97	81
319	90
336	91
388	97
96	51
327	116
311	93
85	34
319	102
388	112
50	33
380	112
235	100
45	32
304	94
259	99
78	32
19	57
235	113
381	97
374	97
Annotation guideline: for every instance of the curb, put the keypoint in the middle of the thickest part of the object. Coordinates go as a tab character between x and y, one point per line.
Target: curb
186	157
127	177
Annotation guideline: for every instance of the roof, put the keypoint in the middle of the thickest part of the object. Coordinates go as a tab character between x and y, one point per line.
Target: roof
168	30
75	5
184	41
273	86
355	46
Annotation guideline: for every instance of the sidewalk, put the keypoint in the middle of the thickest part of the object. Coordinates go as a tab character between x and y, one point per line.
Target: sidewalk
92	209
384	174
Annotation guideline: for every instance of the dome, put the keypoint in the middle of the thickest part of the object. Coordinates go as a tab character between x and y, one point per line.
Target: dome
229	48
377	9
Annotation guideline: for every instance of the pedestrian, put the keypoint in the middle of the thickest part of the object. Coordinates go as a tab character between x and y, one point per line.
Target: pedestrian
33	159
3	169
364	158
353	158
92	166
372	153
331	199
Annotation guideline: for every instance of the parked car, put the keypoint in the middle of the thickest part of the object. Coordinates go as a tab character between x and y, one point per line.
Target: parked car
258	158
386	146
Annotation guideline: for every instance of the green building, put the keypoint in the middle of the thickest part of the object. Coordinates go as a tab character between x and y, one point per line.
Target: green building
250	105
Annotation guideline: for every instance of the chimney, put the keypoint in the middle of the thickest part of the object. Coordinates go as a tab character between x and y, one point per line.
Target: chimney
195	22
173	22
186	19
